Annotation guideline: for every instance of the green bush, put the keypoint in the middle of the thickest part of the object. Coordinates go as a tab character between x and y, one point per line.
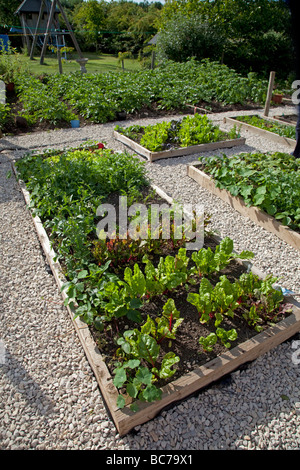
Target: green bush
184	37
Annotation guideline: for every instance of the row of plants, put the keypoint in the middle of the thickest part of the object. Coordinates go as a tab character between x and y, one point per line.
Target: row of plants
135	294
269	181
271	126
100	97
188	131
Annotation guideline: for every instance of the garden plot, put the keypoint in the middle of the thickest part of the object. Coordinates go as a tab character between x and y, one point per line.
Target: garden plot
263	187
187	136
266	127
131	321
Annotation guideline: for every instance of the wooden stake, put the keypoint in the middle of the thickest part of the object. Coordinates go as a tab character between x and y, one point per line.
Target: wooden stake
37	28
25	33
269	94
69	29
46	39
59	57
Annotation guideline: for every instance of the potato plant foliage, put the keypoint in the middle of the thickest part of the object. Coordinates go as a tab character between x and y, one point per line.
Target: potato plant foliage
99	97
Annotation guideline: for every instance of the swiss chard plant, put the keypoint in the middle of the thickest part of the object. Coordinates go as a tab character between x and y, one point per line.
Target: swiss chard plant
139	369
208	261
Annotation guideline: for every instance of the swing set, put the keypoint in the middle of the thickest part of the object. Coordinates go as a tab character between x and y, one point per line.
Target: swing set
39	19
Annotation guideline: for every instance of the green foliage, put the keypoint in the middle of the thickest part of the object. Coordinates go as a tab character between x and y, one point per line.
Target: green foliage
66	188
271	126
208	261
135	347
39	104
269	181
5	115
11	65
155	136
256	300
191	130
184	37
198	129
99	97
257	33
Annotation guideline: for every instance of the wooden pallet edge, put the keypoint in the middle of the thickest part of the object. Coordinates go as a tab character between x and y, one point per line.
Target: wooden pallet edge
193	149
261	218
267	134
125	419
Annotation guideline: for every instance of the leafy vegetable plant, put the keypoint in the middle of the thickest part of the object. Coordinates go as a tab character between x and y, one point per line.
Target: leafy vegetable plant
270	181
191	130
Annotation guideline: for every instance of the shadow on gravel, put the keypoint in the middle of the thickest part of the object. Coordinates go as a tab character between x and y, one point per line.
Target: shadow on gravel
24	384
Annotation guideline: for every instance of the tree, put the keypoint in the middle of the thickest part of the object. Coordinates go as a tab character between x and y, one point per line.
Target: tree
257	31
7	16
90	19
185	36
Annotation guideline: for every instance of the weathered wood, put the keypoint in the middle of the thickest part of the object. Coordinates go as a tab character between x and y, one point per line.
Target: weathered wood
125	419
47	34
263	219
269	93
26	36
267	134
34	41
70	30
195	108
152	156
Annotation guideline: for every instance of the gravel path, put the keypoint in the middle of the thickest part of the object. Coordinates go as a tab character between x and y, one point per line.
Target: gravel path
49	395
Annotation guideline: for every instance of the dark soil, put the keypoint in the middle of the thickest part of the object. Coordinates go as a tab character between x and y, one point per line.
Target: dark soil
146	112
292	119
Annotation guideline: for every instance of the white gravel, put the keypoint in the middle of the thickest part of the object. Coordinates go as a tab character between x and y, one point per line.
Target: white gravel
49	395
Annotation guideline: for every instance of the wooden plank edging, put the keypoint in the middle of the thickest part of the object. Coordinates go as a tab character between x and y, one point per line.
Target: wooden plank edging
152	156
261	218
125	419
267	134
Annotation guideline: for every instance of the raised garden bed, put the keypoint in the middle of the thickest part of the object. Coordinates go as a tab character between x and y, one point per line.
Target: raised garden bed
266	127
200	367
229	192
192	134
290	119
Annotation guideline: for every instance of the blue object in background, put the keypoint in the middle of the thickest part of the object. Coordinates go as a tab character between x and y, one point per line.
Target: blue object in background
4	40
75	123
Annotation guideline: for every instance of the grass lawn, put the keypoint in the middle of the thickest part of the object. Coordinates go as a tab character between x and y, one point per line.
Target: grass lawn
97	63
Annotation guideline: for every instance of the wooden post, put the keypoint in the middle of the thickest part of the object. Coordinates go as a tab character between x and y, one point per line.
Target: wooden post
37	28
46	38
25	33
59	56
269	94
69	29
153	59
